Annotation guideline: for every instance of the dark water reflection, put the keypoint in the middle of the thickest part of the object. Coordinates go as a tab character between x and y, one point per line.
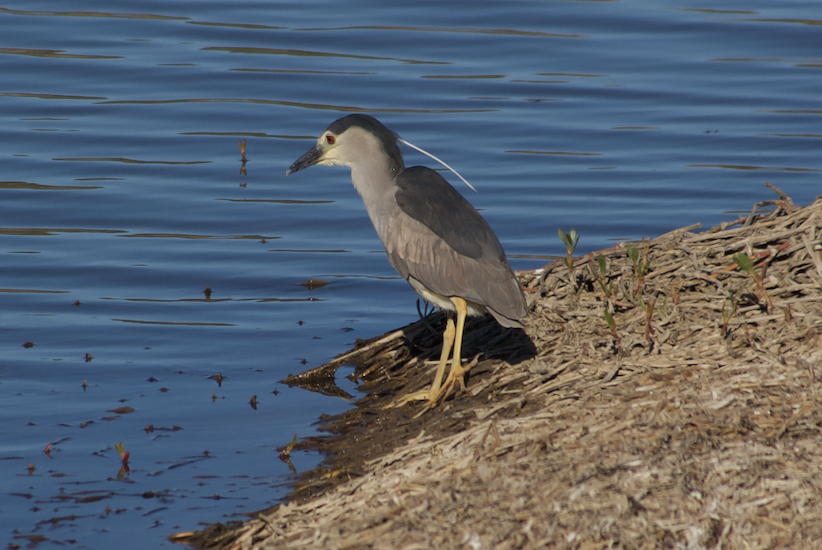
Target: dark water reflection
620	119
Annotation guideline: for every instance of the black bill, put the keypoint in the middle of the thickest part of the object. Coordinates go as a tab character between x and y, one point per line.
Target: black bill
310	158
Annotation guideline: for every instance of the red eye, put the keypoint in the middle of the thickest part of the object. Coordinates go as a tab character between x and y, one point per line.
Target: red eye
330	139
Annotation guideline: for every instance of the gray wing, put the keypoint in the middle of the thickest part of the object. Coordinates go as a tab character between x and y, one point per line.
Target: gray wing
441	240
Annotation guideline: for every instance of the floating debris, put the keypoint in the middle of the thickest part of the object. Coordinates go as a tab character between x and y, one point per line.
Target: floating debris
311	284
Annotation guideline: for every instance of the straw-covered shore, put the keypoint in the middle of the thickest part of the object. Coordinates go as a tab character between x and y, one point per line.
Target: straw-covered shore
687	416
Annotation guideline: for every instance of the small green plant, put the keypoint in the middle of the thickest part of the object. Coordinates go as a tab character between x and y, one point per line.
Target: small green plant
728	315
286	452
569	240
641	266
602	276
611	324
746	265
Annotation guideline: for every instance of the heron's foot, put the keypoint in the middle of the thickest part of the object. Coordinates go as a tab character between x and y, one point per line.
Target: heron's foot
421	395
456	374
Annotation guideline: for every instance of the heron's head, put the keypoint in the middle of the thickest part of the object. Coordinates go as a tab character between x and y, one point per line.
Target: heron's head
352	140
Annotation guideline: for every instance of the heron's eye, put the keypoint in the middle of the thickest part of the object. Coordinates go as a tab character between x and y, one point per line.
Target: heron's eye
330	139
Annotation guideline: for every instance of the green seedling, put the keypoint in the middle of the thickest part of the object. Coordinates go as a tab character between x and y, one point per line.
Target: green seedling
641	267
746	265
285	453
569	240
602	277
622	288
611	323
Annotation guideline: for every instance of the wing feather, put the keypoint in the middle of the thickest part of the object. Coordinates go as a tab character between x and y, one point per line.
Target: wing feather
444	243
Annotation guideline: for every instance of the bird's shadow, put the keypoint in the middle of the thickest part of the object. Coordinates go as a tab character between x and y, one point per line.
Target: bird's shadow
385	363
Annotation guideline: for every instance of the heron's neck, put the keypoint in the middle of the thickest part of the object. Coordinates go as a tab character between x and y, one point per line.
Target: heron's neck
374	181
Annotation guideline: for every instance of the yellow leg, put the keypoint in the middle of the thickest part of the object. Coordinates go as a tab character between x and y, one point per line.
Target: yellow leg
457	373
447	343
431	393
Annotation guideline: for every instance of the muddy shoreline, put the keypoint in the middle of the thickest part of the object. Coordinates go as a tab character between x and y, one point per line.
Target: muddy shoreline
687	416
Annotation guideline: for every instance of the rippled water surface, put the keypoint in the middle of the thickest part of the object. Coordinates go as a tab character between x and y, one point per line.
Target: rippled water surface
122	197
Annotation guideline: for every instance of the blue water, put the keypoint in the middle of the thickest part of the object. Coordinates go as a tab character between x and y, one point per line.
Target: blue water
121	187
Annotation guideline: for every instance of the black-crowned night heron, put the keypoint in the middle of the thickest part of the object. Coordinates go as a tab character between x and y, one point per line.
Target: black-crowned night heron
434	238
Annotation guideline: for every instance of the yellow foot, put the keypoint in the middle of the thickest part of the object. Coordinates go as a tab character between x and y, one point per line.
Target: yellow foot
421	395
451	337
457	374
434	395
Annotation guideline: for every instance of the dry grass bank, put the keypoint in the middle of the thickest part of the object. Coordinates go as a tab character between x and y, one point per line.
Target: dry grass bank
693	420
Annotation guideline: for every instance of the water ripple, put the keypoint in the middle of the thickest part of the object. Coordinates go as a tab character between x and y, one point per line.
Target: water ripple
468	30
307	53
111	15
130	161
27	185
54	53
319	106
